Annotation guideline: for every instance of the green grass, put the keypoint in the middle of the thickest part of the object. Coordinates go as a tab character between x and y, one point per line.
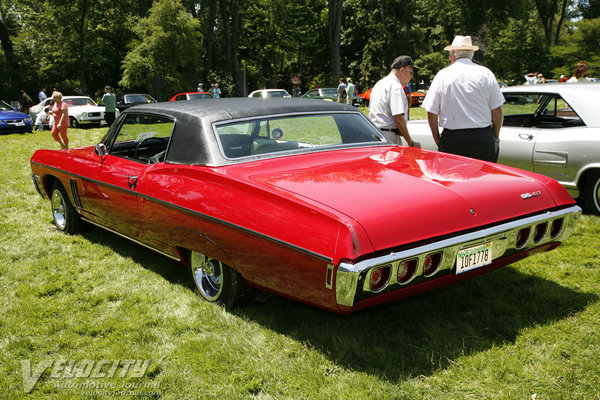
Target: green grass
530	328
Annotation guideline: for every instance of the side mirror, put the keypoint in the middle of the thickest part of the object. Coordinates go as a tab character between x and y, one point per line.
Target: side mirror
100	150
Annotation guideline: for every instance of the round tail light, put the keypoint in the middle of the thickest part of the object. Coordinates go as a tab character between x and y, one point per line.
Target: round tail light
432	263
379	278
406	270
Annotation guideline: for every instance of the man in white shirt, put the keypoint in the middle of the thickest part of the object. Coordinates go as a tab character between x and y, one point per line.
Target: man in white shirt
350	88
42	95
388	106
465	99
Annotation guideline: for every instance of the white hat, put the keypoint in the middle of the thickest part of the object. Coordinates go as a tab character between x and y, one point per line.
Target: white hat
461	43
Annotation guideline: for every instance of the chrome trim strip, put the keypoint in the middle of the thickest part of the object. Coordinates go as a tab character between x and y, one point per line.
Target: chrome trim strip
455	240
75	193
131	239
197	214
348	274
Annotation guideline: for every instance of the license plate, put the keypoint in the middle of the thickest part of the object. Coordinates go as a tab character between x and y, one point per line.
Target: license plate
19	124
473	257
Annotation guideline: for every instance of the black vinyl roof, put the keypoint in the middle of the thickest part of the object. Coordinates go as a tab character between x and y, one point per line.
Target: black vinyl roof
193	140
212	110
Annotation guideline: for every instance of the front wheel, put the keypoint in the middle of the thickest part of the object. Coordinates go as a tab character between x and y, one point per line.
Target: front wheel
74	122
592	194
216	282
64	215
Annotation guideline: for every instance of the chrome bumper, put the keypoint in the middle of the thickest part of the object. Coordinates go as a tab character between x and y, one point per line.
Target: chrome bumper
351	278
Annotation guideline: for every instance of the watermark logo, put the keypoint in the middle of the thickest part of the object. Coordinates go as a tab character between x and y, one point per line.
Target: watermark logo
64	370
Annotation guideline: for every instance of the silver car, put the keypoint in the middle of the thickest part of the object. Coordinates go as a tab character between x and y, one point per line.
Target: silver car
551	129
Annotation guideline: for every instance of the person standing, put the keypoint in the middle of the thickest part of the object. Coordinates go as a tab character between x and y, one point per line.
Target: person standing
341	91
26	101
580	73
465	99
200	87
110	106
388	106
60	111
215	91
42	95
350	90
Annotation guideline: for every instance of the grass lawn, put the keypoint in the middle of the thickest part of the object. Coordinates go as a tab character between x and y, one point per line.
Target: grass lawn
83	305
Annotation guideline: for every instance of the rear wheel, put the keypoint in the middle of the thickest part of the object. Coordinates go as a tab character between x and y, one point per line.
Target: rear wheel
216	282
64	215
592	194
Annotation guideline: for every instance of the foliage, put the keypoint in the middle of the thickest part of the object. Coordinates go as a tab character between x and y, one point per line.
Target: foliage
275	43
581	44
164	57
526	329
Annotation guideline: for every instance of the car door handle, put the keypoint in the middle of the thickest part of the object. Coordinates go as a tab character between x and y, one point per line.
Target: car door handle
131	181
526	136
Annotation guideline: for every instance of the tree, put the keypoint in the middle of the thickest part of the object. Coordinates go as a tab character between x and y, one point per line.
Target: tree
552	15
164	56
333	33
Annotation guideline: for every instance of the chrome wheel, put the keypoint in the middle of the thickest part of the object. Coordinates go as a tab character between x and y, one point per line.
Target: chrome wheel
59	210
64	215
208	276
216	282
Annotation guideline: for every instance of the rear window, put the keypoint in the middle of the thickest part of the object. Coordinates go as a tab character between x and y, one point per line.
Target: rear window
295	134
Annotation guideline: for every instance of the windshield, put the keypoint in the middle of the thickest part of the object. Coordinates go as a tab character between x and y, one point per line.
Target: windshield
79	101
194	96
138	99
295	133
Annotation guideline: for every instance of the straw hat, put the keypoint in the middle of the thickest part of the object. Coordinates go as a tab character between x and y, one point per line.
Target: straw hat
461	43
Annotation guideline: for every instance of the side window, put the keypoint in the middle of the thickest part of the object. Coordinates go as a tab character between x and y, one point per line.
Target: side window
546	111
142	138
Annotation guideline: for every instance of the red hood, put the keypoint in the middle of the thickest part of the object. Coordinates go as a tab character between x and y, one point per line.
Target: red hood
401	195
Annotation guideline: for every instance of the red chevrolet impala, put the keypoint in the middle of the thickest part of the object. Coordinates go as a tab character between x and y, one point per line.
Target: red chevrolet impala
301	198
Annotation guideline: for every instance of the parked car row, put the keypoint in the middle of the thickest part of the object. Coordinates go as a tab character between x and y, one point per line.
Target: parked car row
305	199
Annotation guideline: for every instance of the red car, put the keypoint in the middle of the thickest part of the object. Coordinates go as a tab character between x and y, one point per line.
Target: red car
191	96
416	99
300	198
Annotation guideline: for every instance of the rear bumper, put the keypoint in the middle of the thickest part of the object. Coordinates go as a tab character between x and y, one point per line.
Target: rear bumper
352	284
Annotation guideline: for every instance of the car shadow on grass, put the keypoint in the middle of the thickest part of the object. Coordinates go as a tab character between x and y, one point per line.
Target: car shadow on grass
405	339
168	268
419	335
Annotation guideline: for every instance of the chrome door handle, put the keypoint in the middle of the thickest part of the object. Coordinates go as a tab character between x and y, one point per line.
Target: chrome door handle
131	181
526	136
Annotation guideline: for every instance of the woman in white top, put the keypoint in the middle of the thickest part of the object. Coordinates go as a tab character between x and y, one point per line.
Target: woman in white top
580	72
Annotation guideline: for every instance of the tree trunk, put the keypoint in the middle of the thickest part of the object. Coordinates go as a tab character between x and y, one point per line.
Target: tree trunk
7	45
208	38
334	29
81	46
231	23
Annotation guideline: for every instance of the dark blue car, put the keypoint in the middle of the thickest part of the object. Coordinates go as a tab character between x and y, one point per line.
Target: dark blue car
12	121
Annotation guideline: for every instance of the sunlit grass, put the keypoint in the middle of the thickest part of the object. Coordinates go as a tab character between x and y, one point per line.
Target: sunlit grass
530	328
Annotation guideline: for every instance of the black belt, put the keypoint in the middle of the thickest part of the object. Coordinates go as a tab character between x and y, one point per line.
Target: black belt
467	129
395	130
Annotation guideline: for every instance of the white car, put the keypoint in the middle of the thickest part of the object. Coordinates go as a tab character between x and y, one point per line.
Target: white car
265	93
552	129
82	110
